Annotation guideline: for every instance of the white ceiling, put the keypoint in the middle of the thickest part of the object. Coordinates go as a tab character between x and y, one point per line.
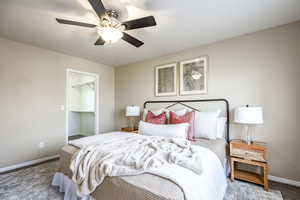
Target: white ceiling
182	24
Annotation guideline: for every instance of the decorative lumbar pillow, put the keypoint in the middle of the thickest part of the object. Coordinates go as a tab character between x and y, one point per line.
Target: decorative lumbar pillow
188	117
221	127
156	119
165	130
206	124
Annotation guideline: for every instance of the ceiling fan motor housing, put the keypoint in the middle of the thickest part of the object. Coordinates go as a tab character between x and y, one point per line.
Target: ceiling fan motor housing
110	19
112	13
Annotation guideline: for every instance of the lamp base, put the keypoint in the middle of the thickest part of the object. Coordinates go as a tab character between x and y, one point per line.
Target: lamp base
249	141
247	134
131	124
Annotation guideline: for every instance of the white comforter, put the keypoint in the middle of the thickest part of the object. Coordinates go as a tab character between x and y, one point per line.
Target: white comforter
196	170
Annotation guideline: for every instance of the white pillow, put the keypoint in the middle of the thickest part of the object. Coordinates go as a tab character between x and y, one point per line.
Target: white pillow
221	127
165	130
206	124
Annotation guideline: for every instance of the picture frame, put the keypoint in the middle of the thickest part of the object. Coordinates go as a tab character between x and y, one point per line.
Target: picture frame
193	76
166	80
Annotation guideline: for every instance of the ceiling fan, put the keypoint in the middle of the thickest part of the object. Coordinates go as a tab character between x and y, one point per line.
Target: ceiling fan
110	29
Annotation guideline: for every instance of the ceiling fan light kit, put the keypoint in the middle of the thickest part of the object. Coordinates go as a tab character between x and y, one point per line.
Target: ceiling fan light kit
110	34
110	29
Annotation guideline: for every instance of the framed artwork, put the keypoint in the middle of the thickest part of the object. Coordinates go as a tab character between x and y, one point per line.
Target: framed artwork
193	76
165	80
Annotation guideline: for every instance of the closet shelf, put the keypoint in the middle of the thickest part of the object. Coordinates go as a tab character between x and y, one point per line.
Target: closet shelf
82	84
83	111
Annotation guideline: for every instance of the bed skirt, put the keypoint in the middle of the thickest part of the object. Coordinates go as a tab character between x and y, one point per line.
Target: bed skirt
68	187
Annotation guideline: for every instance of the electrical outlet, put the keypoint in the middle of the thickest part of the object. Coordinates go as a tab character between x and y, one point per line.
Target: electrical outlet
42	145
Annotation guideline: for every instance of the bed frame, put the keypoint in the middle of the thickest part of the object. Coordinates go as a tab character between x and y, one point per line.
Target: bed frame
184	103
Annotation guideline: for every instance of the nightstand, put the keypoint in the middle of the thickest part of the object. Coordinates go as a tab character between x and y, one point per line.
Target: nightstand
253	154
128	129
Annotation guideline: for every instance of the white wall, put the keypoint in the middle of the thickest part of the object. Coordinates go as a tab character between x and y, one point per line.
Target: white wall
87	123
87	98
32	88
262	68
82	97
74	123
82	123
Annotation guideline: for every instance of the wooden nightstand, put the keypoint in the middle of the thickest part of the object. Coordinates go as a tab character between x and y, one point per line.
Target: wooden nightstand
127	129
253	154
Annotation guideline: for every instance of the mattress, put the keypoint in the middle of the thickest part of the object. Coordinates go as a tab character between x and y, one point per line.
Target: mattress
144	186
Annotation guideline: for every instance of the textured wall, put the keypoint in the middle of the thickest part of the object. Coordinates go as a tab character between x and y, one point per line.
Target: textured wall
262	68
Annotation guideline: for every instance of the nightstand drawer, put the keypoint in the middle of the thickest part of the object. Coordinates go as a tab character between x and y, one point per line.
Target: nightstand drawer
255	151
247	154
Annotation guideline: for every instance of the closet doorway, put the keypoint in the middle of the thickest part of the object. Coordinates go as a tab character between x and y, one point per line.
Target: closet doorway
82	110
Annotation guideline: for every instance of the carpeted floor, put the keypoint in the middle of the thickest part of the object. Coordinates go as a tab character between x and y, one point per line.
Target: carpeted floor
34	183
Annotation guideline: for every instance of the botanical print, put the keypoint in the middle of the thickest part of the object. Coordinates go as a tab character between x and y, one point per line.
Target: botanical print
166	80
193	75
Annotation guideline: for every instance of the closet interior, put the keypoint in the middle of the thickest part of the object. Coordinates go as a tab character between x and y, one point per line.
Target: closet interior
82	98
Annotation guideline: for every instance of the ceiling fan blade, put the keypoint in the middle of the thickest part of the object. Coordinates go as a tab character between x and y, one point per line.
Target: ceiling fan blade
63	21
140	23
100	41
98	7
135	42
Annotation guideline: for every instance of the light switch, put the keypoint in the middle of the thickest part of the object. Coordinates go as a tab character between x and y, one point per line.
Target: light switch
62	107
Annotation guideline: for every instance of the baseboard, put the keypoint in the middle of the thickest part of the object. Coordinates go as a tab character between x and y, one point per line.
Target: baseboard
284	180
28	163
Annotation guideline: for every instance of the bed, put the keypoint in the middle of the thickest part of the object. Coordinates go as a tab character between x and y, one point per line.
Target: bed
147	186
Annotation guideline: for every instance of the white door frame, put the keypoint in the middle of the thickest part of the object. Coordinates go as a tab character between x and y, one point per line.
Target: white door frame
69	70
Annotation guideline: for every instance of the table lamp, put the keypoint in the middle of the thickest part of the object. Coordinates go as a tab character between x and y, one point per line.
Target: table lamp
248	116
131	112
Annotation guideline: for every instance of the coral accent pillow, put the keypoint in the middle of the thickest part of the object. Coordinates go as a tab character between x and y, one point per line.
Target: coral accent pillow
156	119
189	118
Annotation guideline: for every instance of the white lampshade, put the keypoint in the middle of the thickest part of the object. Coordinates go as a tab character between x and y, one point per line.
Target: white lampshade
248	115
132	111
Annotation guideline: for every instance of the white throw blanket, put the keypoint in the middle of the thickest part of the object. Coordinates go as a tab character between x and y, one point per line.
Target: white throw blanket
123	154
